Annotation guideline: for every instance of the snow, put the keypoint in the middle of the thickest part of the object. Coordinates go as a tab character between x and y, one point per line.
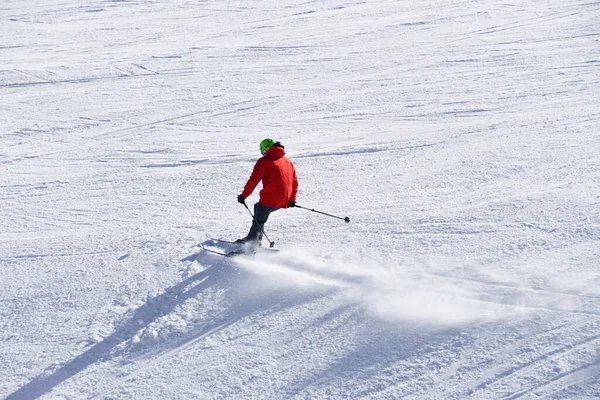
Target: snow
461	138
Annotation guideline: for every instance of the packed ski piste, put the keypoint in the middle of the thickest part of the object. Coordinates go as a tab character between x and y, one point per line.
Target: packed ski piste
279	190
461	138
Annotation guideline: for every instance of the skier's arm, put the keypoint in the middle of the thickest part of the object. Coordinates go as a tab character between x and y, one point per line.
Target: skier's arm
257	174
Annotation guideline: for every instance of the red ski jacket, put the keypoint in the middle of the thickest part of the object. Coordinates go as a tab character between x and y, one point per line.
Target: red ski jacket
278	175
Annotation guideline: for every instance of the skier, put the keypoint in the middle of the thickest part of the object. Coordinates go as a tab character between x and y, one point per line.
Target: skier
280	186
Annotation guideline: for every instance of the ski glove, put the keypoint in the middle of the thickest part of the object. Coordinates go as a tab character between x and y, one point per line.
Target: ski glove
241	199
291	204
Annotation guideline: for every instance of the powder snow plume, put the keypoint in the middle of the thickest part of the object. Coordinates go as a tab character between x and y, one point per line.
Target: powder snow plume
392	292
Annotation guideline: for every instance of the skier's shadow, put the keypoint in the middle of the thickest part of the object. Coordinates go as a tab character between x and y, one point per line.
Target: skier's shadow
220	271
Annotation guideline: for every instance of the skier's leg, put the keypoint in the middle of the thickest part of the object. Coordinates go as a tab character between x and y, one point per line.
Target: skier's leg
261	215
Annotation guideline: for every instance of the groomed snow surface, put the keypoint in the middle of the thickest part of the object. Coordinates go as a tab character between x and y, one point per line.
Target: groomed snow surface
462	138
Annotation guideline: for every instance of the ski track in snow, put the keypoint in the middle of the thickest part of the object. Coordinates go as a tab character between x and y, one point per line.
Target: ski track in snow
461	138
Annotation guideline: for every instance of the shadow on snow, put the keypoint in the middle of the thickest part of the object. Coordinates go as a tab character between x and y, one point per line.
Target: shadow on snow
220	272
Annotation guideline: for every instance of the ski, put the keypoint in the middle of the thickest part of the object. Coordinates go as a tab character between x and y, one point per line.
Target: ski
221	240
235	243
242	248
222	253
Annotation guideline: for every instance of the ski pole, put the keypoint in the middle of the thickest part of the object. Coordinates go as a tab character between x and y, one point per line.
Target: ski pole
347	219
271	244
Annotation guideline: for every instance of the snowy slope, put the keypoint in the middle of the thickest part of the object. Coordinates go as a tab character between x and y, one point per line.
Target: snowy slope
461	138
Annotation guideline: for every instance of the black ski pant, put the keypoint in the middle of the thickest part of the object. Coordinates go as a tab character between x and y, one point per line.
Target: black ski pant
261	215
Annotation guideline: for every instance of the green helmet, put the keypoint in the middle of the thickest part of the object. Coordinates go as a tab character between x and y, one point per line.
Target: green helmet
266	145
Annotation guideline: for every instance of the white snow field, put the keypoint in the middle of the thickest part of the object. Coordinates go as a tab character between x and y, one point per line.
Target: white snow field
462	138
